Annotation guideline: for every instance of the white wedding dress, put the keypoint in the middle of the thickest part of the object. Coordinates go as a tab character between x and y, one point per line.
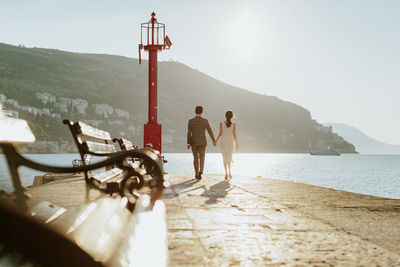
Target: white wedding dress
227	143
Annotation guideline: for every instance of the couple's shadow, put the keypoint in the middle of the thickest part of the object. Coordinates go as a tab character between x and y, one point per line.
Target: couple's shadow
215	192
182	188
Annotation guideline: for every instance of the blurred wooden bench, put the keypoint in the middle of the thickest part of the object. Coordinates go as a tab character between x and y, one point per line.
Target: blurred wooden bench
104	232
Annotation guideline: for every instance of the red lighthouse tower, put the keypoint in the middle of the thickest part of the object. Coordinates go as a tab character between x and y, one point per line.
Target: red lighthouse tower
155	40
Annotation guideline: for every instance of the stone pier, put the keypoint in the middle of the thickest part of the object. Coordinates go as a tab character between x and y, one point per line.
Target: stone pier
254	221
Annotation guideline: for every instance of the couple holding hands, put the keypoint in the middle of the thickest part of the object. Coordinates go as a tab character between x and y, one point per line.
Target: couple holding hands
196	139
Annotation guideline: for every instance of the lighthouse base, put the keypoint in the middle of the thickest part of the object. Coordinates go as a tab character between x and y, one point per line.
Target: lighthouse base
152	136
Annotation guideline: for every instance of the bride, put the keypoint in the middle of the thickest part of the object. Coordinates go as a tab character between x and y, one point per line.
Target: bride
227	134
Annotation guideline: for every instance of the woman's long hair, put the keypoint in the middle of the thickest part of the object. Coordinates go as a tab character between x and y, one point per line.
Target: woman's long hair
229	116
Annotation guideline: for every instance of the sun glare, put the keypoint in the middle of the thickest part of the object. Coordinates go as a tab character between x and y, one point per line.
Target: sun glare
244	34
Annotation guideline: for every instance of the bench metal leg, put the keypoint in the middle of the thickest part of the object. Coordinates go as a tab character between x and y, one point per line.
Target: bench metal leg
22	196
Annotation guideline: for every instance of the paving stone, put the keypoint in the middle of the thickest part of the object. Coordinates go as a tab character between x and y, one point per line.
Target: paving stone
186	252
179	224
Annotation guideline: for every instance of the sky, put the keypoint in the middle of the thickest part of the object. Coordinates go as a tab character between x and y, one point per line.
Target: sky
340	59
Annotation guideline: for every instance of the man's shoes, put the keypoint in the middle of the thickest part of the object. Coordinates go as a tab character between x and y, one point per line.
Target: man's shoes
199	176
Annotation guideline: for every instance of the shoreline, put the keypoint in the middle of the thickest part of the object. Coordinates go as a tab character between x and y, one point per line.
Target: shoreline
216	152
349	173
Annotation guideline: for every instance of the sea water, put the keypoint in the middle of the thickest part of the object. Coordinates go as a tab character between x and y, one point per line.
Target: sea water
377	175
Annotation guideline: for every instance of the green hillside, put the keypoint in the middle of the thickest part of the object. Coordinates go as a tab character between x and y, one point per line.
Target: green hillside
265	123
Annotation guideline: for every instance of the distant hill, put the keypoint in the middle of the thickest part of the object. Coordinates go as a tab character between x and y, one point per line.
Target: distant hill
45	86
364	143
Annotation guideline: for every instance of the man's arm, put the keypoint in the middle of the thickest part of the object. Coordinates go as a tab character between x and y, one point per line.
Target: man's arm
189	134
210	132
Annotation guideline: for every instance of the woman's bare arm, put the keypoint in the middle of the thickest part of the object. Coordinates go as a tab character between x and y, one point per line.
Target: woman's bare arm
234	136
220	133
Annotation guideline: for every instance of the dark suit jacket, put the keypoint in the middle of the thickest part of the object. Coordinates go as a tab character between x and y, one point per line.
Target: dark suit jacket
196	134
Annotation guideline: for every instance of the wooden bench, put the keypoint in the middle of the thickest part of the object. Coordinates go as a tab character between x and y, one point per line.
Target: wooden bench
140	167
100	233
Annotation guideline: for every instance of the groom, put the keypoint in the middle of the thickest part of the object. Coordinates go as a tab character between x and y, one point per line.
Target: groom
196	139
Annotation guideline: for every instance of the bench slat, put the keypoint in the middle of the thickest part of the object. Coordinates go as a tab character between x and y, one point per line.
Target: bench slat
99	147
97	227
15	131
145	231
46	212
126	144
102	177
70	220
101	232
92	132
